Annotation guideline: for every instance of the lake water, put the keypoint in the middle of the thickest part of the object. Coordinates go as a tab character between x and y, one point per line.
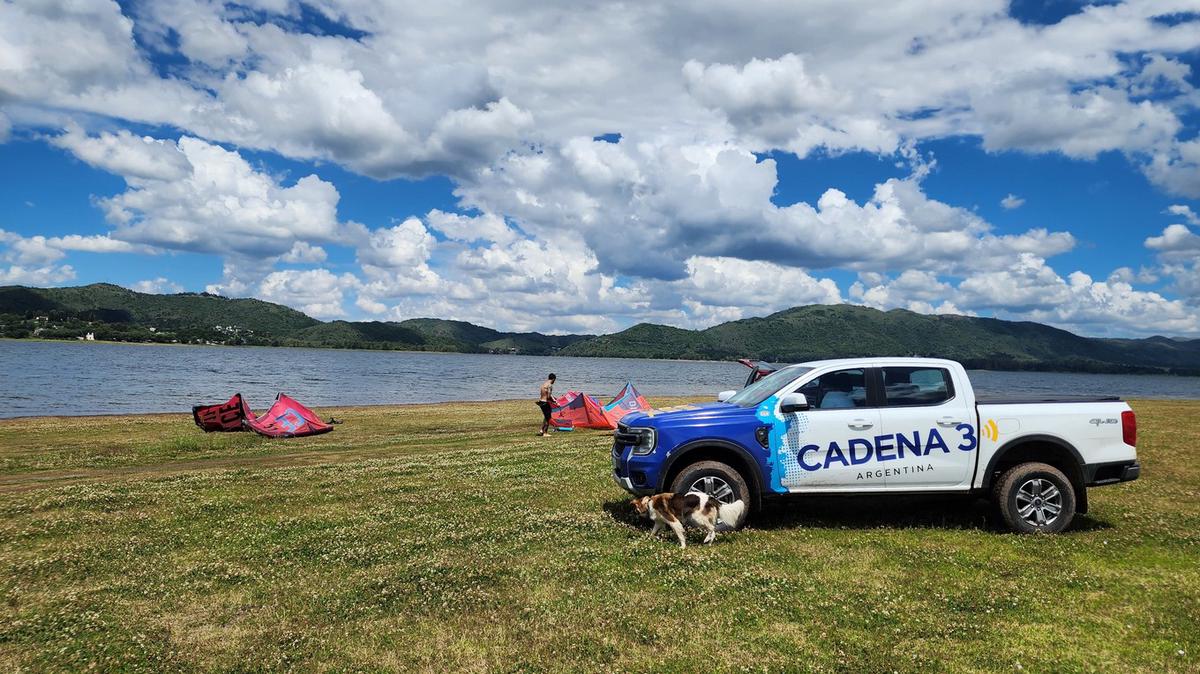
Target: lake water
75	378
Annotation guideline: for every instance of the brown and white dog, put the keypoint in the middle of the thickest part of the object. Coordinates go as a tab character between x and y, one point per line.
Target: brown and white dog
676	510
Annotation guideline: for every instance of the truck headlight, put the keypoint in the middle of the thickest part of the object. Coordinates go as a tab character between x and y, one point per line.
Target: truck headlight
643	440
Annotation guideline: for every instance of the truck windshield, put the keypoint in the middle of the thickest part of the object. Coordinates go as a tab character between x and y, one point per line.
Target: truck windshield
762	389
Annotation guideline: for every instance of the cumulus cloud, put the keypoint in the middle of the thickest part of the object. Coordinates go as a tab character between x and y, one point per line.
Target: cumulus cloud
741	288
1012	202
126	155
41	249
1029	289
1184	212
316	292
1175	243
36	276
482	227
207	199
407	244
157	286
1178	250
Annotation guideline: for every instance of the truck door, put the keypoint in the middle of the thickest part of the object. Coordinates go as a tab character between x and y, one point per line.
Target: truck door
825	447
929	439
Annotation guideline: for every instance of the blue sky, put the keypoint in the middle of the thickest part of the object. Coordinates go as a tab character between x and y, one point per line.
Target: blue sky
584	170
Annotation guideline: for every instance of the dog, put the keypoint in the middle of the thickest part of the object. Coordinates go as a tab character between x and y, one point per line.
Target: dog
699	509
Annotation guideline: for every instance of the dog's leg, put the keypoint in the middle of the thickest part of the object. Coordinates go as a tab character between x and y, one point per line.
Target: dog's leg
709	524
677	527
655	529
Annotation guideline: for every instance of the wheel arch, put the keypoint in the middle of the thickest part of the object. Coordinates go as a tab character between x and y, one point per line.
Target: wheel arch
726	452
1048	449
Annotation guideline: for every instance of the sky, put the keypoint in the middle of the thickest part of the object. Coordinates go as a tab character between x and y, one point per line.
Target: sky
582	167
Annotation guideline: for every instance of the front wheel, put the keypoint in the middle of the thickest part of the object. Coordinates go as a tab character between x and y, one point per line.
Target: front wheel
718	480
1035	497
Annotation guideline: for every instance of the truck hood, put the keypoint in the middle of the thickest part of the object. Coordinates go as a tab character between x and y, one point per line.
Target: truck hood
687	415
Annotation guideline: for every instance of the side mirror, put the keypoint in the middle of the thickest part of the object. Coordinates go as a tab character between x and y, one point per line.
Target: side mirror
793	402
725	395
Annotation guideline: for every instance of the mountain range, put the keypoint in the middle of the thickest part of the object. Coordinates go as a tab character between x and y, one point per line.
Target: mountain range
802	333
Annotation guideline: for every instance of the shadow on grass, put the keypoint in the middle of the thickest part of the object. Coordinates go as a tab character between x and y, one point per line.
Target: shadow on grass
869	512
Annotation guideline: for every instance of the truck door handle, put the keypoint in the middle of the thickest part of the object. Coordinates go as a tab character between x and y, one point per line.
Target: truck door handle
860	424
948	421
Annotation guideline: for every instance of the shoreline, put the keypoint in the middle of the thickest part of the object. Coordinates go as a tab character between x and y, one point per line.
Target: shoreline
377	407
39	340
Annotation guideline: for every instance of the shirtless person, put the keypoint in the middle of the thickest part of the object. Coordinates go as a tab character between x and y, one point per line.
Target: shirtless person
546	401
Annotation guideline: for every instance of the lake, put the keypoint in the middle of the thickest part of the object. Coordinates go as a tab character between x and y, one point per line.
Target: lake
77	378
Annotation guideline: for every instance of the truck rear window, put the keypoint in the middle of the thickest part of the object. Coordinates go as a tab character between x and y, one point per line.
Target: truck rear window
911	386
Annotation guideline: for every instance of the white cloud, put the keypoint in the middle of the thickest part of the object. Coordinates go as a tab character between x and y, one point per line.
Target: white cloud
220	205
157	286
407	244
1176	242
316	292
1012	202
38	276
82	56
126	155
1184	212
452	88
304	252
913	290
40	249
1029	289
1178	251
743	288
482	227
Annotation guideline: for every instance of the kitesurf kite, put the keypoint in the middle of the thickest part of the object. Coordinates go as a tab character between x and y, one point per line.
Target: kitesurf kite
286	418
579	410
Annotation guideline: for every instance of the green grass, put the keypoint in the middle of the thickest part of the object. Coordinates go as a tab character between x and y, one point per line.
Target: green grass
448	537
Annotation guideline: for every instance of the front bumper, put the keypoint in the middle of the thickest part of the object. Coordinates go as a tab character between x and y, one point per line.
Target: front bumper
627	484
634	474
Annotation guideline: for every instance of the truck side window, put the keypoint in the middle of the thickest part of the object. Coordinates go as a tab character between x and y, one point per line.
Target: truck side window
913	386
837	390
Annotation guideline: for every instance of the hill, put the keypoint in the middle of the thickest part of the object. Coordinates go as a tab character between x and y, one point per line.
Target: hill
115	313
801	333
820	331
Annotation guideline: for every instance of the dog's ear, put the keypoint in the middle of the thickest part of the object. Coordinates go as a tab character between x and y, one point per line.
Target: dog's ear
641	503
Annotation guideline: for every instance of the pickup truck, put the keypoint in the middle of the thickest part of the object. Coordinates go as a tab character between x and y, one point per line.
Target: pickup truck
883	425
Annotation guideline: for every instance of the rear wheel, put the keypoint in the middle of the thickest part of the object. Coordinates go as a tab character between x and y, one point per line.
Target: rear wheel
1035	497
718	480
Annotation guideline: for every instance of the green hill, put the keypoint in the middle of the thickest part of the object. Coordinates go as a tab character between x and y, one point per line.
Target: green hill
115	313
820	331
801	333
114	304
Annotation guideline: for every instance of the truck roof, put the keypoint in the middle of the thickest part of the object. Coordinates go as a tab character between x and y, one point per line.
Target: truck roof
880	360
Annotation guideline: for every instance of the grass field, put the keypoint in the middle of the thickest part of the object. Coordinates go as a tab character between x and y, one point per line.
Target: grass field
449	537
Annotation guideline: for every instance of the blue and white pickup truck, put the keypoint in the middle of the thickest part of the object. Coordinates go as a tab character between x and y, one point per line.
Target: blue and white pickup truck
883	425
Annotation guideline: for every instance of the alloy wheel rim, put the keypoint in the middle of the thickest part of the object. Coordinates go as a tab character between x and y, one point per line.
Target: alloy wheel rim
1039	502
715	487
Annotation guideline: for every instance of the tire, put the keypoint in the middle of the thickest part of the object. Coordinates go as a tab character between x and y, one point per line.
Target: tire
693	478
1026	501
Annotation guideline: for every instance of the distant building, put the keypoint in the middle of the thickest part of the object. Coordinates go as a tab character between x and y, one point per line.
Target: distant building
90	337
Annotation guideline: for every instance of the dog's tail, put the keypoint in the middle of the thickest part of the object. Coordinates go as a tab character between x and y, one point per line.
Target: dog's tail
731	514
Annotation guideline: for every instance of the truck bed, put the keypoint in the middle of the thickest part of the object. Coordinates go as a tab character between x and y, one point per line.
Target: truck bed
1036	399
